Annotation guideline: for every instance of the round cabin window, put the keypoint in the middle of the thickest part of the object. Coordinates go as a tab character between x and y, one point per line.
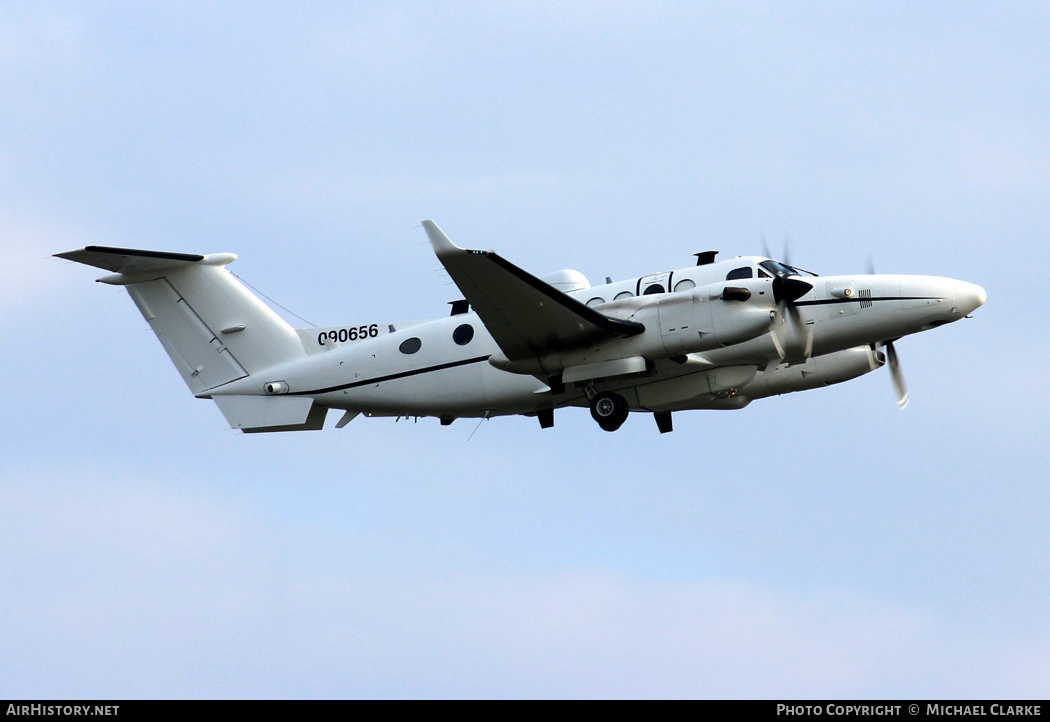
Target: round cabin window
410	345
463	334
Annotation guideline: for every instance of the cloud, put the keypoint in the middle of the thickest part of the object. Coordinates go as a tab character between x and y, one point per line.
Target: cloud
130	584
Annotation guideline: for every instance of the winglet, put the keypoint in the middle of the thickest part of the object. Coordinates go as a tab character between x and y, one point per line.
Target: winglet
438	240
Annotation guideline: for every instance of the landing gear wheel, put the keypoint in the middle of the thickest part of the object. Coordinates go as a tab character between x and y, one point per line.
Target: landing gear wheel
609	410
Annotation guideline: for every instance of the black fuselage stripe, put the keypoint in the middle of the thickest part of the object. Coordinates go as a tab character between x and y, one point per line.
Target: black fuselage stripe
391	377
827	301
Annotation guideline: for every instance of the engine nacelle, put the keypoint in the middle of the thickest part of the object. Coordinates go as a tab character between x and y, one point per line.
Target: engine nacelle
699	390
676	324
714	316
832	368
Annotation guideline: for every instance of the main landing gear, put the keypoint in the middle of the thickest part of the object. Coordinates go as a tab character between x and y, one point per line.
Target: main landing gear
609	410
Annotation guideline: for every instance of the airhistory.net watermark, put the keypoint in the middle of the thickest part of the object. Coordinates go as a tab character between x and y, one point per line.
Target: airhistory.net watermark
63	710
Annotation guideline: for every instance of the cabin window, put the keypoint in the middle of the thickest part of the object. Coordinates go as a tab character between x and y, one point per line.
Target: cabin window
684	285
596	301
463	334
736	273
623	294
654	288
410	345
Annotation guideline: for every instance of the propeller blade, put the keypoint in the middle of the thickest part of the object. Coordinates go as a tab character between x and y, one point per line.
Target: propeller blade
802	330
774	333
898	378
788	314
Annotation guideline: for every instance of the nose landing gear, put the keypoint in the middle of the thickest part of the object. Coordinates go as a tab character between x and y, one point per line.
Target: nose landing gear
609	410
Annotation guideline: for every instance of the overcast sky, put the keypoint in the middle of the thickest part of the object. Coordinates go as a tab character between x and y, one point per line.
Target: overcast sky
822	544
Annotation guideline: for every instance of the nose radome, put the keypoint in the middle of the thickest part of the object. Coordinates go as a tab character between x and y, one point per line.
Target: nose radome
969	296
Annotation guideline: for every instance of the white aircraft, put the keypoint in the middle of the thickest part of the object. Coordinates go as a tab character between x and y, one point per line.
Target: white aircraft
716	335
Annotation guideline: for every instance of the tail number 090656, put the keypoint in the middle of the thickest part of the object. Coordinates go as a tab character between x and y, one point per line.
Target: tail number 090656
354	333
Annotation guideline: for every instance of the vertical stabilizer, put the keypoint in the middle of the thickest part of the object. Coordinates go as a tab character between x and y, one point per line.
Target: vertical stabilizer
212	327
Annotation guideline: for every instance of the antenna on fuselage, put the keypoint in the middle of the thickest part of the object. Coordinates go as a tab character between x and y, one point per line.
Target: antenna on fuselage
705	258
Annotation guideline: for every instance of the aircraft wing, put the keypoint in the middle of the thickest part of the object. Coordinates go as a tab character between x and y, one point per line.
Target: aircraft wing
526	316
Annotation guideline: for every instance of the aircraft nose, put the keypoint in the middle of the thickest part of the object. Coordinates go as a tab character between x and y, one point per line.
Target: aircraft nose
968	297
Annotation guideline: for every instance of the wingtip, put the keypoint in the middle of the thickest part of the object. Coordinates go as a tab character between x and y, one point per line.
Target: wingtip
438	240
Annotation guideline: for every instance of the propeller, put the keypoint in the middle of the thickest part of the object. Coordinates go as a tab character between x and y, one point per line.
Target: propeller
786	256
898	378
786	291
903	397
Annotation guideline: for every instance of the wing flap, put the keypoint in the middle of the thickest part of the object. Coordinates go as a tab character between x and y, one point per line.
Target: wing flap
526	316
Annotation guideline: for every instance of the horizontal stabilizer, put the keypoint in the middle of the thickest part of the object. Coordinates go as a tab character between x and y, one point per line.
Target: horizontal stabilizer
271	413
526	316
130	260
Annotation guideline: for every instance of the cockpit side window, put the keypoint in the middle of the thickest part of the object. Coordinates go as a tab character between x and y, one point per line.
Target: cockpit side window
736	273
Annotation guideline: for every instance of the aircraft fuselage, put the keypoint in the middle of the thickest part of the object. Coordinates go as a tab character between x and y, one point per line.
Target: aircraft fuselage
841	320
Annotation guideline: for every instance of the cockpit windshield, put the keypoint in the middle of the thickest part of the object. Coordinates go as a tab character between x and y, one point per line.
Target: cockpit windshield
779	270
